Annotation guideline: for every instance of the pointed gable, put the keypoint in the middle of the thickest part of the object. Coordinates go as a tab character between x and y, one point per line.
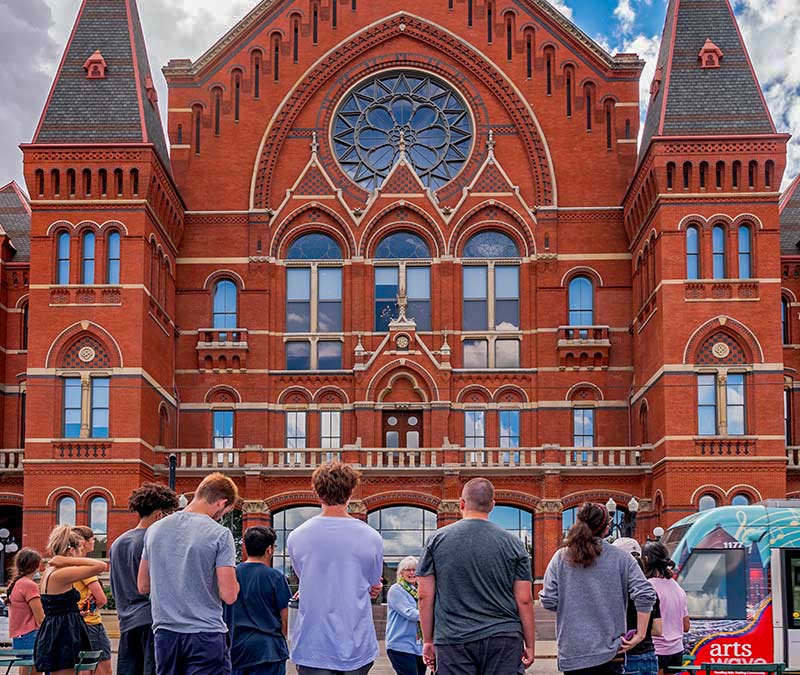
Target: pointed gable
117	108
15	220
790	219
402	181
688	99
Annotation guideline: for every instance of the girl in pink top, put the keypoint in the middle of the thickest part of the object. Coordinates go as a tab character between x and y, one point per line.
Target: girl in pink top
674	607
25	613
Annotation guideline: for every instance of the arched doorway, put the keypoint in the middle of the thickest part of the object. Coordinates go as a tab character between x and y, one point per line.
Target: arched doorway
518	522
284	522
405	530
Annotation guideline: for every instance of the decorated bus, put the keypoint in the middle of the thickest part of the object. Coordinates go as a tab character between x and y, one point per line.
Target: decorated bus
740	568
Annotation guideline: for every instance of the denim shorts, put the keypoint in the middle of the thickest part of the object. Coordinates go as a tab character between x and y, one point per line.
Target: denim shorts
641	664
25	641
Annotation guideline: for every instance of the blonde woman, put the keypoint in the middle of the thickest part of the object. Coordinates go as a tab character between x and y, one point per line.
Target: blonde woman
63	635
403	632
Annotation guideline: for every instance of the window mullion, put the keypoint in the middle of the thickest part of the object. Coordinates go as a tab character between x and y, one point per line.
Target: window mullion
86	404
490	299
722	404
314	361
314	298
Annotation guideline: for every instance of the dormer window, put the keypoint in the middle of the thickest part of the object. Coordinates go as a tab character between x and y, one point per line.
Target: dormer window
710	55
95	67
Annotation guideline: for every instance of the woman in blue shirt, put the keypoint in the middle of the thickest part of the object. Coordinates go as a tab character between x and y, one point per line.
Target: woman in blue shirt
403	632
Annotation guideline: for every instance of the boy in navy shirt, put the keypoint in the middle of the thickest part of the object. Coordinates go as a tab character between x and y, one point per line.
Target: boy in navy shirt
258	620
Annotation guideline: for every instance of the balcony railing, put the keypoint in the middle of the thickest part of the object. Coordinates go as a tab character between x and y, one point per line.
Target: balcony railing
81	448
584	346
222	349
271	459
727	446
11	459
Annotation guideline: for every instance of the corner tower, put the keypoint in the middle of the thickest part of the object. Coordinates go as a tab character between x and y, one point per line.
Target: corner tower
702	218
105	226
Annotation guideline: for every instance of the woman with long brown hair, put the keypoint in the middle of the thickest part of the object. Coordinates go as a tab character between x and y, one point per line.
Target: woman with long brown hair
25	613
63	635
587	584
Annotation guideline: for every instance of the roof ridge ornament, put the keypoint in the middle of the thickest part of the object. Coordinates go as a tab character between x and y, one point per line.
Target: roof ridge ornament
710	55
95	66
314	145
490	143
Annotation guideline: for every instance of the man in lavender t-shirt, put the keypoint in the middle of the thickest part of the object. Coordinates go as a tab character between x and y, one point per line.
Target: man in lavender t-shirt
339	560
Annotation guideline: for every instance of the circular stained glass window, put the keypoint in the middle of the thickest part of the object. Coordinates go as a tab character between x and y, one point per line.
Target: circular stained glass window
423	112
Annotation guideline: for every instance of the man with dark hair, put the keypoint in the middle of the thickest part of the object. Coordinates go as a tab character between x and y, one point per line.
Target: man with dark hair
339	560
189	569
136	649
475	598
258	620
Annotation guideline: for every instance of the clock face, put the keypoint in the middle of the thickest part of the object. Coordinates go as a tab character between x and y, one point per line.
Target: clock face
421	113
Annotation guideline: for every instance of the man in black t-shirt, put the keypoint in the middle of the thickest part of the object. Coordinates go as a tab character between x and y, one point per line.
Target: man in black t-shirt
642	659
475	599
136	647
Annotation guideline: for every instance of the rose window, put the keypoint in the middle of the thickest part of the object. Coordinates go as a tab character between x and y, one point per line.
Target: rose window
422	114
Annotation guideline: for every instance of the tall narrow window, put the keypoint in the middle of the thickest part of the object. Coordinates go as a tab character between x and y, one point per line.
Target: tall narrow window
296	429
581	302
479	279
670	175
787	415
296	40
353	5
752	172
22	418
569	92
118	182
237	96
735	408
180	134
509	428
103	176
276	58
745	253
583	427
506	297
66	511
114	257
87	182
335	13
706	405
785	329
225	306
489	22
217	111
509	39
100	407
198	122
720	174
315	25
469	12
687	175
71	182
55	182
627	129
609	129
736	174
135	182
703	175
474	429
257	75
72	407
588	109
329	312
98	521
718	250
549	72
87	258
223	429
40	182
26	308
298	300
769	173
692	253
528	55
62	262
331	433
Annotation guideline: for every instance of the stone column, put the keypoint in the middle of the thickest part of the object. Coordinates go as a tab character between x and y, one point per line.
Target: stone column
357	509
86	403
547	534
254	512
447	513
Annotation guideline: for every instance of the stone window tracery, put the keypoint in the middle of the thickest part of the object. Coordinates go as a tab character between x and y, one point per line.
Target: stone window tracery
412	280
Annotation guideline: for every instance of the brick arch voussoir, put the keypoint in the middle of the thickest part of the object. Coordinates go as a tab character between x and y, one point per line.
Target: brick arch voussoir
735	329
399	367
519	230
384	500
290	500
595	496
380	226
333	225
467	59
520	500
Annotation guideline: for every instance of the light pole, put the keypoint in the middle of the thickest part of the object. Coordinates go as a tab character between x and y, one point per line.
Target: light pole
7	545
633	511
173	466
611	507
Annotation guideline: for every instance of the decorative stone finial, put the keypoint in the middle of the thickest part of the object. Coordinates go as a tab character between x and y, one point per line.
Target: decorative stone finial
490	142
401	145
314	145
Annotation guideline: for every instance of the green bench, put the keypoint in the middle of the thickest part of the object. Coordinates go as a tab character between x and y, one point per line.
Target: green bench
23	658
709	668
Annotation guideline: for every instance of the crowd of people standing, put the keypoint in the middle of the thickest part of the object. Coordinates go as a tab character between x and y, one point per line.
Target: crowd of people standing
465	607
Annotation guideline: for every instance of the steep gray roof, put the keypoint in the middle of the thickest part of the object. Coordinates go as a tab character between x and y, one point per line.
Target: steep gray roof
111	110
693	101
790	219
15	219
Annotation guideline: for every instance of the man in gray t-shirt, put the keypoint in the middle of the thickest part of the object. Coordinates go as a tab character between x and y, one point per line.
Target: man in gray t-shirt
475	598
189	569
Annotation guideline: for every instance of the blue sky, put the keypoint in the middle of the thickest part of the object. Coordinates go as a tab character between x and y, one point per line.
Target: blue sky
33	34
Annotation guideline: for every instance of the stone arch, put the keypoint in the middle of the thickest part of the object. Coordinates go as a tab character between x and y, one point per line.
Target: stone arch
745	218
11	499
222	394
383	500
400	364
474	393
289	500
62	491
60	225
708	488
416	389
409	26
692	219
114	225
582	270
738	331
597	496
582	388
753	493
508	391
295	396
519	230
219	275
376	230
325	394
334	226
83	348
520	500
97	491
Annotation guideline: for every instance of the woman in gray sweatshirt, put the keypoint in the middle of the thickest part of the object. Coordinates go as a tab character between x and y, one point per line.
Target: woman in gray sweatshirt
587	584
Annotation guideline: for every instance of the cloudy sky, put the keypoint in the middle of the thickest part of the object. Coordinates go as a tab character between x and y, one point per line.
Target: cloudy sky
33	34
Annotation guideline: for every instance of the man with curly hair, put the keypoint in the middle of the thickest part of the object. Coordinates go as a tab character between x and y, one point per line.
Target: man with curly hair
136	645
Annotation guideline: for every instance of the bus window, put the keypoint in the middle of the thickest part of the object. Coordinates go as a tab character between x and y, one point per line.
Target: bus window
673	537
715	584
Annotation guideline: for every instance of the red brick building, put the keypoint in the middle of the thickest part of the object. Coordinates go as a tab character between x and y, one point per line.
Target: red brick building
422	241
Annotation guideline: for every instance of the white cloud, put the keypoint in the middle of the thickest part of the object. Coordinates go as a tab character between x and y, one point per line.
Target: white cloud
562	7
625	15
